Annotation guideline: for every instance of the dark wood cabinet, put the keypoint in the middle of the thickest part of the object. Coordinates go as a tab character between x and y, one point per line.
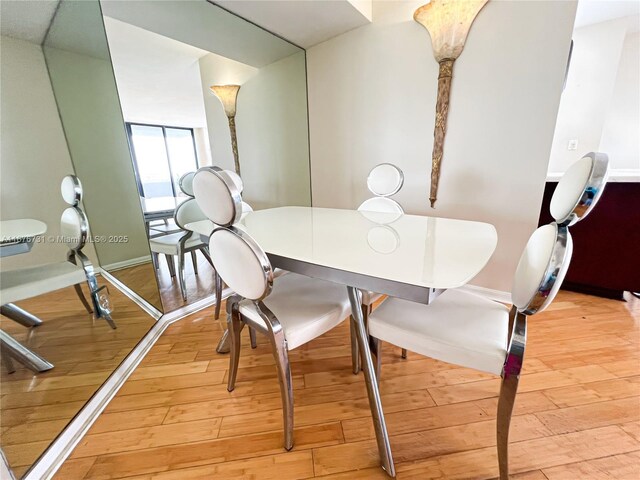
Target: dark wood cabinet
606	245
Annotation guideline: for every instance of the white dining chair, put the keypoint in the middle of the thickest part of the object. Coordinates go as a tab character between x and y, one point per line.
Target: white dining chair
179	244
384	180
168	226
290	313
472	331
24	283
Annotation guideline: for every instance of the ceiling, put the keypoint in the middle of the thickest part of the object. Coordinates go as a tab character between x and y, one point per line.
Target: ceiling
26	20
158	78
203	25
305	23
596	11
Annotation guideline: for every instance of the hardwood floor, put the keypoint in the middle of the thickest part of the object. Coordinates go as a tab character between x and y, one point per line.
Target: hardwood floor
141	280
37	407
577	413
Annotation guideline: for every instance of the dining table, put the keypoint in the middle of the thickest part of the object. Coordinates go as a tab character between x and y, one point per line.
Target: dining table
18	237
412	257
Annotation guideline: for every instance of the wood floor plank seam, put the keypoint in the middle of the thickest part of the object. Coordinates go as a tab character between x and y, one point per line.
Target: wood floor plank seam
441	418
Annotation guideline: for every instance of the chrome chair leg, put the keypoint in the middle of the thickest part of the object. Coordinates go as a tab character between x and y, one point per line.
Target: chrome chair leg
205	252
252	338
218	281
9	346
404	353
508	389
171	265
19	315
181	282
82	298
194	261
234	328
355	352
281	356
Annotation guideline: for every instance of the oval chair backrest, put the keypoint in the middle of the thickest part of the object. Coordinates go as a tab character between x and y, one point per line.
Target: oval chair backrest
186	183
385	180
218	197
381	205
187	212
71	190
542	268
235	178
74	228
579	189
241	263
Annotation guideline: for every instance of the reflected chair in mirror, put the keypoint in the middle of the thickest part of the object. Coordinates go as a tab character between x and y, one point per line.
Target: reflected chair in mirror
179	244
290	312
168	226
24	283
384	180
474	332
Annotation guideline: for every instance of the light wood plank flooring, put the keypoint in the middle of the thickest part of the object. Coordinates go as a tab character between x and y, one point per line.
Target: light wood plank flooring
37	407
141	280
577	414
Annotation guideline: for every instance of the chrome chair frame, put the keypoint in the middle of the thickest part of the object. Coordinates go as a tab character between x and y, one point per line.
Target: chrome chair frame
75	254
273	330
593	190
517	340
235	194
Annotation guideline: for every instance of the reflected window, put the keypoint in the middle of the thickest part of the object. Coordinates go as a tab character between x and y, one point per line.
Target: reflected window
161	156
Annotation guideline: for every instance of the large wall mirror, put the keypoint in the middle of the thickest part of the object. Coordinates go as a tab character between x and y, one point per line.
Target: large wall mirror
167	56
67	323
125	97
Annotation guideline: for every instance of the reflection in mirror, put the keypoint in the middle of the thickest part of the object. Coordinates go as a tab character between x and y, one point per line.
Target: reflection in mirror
65	176
200	86
79	65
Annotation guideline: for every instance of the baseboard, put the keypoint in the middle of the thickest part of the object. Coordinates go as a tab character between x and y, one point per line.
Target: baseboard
132	262
497	295
55	455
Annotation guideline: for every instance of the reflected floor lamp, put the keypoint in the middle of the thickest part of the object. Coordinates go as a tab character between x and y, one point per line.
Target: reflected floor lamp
228	94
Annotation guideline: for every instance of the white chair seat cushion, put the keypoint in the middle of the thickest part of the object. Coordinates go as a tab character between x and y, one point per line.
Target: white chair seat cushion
168	244
458	327
16	285
369	297
306	307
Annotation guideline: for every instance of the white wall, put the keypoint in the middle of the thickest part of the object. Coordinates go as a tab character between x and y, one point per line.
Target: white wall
622	124
372	95
33	149
271	123
589	101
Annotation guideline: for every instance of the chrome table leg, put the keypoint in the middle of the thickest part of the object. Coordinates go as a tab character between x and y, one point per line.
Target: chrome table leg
19	315
375	403
223	344
34	362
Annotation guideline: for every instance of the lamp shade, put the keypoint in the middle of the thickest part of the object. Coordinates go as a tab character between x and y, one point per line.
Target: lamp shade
227	94
448	23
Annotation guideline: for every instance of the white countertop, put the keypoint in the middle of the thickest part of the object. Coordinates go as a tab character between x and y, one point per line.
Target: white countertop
423	251
618	176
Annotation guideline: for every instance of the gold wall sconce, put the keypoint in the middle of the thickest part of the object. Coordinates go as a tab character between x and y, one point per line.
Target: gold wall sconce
228	94
448	23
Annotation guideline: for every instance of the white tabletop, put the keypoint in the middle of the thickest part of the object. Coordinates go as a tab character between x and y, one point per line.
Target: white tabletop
21	229
422	251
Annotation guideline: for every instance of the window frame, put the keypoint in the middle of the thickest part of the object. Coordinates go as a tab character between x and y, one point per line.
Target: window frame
164	128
